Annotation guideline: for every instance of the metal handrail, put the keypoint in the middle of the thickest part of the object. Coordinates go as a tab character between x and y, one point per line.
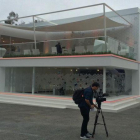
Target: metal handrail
58	11
71	10
64	40
51	41
118	14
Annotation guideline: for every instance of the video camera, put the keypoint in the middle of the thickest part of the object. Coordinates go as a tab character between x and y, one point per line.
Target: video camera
100	98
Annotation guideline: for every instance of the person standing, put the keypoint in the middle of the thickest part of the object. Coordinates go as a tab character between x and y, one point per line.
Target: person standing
59	49
85	107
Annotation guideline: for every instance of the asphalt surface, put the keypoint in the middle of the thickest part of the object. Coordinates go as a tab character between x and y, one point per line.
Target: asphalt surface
19	122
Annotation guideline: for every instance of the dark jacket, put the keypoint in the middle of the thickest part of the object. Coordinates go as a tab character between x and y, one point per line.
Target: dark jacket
59	49
88	94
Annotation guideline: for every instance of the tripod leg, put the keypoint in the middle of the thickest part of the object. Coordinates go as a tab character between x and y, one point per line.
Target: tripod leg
104	123
95	123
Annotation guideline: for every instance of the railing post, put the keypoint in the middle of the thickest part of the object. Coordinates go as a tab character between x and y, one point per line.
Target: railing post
104	80
34	32
33	81
11	80
10	46
105	26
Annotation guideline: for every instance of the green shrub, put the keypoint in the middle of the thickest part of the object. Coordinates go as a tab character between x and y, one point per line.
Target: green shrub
87	53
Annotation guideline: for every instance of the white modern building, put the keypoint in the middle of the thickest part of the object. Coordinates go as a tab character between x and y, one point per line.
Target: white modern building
103	47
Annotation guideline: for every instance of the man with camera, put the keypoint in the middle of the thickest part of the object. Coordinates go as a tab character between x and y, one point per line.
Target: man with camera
85	107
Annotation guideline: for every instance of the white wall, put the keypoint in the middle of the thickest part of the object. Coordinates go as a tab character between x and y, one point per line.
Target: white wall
136	82
70	61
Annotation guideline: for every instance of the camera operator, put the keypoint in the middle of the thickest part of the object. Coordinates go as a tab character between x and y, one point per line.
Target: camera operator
85	107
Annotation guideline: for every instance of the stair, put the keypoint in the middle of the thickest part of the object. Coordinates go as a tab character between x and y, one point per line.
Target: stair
117	106
66	102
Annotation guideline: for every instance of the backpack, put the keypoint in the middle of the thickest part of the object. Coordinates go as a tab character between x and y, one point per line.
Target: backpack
78	96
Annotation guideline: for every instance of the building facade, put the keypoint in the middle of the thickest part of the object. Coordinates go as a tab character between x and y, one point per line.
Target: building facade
108	54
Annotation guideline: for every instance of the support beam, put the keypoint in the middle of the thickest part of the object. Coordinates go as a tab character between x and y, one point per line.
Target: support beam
2	79
104	80
33	81
34	32
11	80
105	25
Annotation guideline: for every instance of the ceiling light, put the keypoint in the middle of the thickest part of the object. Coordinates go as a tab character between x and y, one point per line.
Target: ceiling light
98	70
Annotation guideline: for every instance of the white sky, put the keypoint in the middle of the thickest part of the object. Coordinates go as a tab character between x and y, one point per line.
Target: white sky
32	7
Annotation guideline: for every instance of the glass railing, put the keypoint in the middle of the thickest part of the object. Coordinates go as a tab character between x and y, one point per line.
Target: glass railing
117	47
73	46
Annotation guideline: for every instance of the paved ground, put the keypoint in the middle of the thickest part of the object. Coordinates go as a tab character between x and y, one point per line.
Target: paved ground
18	122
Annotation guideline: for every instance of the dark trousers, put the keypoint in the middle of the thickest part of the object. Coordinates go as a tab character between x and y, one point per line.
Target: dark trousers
85	113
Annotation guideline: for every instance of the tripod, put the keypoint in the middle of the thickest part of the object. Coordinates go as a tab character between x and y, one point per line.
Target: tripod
96	119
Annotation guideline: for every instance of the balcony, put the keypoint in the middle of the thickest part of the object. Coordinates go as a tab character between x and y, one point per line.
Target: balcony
76	46
100	33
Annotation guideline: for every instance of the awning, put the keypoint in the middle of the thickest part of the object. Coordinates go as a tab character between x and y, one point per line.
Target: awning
82	25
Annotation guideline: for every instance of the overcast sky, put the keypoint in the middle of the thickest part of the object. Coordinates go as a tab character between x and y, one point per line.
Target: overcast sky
31	7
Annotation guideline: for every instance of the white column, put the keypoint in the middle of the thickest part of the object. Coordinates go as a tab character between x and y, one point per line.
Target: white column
34	32
33	81
2	79
11	80
104	80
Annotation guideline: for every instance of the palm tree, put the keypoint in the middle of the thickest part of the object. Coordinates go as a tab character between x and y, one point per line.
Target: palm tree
12	18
